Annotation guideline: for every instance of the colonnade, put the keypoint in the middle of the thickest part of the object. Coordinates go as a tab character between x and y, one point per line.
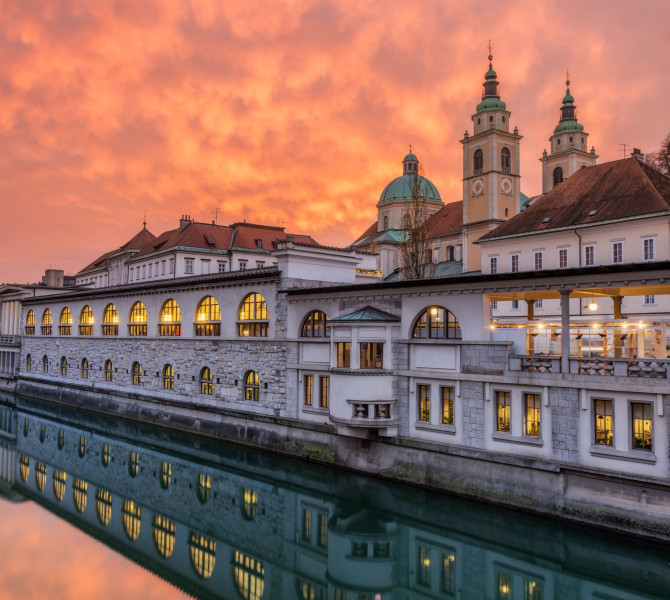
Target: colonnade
11	317
8	362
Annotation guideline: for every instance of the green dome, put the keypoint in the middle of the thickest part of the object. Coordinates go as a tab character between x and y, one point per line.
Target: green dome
410	156
569	126
491	103
401	189
568	99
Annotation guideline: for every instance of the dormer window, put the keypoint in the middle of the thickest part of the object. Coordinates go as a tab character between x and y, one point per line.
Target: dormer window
259	244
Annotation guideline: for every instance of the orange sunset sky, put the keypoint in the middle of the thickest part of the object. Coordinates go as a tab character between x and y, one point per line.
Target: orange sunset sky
297	112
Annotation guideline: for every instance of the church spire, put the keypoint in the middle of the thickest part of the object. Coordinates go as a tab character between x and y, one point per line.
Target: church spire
490	92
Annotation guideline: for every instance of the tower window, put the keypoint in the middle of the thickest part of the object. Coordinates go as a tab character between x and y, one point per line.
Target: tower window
478	164
490	118
558	176
505	160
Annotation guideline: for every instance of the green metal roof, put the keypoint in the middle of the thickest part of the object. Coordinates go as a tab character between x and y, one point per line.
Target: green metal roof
491	103
401	189
366	314
410	156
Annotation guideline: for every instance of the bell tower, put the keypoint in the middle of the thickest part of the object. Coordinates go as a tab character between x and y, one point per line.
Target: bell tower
491	178
568	146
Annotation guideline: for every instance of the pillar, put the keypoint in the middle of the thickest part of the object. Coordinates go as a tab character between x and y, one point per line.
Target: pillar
565	331
616	313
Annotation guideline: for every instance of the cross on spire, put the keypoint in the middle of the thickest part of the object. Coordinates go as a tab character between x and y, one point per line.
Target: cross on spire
145	220
490	51
567	77
410	148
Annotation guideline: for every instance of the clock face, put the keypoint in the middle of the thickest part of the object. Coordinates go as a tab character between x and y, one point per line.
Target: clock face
506	186
477	187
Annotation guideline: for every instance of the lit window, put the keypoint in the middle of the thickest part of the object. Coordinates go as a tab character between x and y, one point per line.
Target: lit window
603	413
164	535
204	487
562	258
47	322
436	323
138	319
40	476
589	256
493	264
86	321
24	467
133	464
29	362
168	377
110	320
60	477
206	381
514	263
538	261
82	446
103	506
136	373
532	590
532	415
617	253
61	439
84	368
45	364
249	503
642	439
447	394
208	317
323	530
106	455
316	324
423	395
309	389
649	248
65	322
504	586
63	366
166	475
371	355
306	525
502	411
324	391
251	386
30	323
448	574
80	494
253	316
109	370
203	554
131	514
343	354
423	566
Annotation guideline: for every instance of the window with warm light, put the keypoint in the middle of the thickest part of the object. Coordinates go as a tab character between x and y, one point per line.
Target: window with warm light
531	424
65	322
322	539
40	475
307	525
110	320
133	464
168	377
502	411
164	535
137	319
103	506
603	422
86	321
316	324
59	477
29	362
324	391
371	355
436	322
448	574
80	494
204	487
504	586
642	423
45	364
109	370
131	515
532	590
170	319
249	576
253	317
423	566
309	389
106	455
343	350
30	323
166	475
206	381
447	397
61	439
423	398
252	388
82	446
249	504
47	322
84	368
208	317
63	366
136	373
203	554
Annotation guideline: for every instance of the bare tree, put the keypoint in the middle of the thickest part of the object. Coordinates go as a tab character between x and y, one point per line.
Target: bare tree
661	158
414	250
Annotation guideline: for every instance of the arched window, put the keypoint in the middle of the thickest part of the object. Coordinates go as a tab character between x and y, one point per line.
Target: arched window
82	446
25	427
30	323
249	576
47	322
164	535
251	386
505	161
204	487
203	554
558	176
45	364
109	370
103	506
59	484
208	317
40	475
170	319
84	368
166	475
86	321
80	494
131	514
134	464
65	322
61	439
24	467
316	324
436	323
137	320
406	222
136	373
478	162
63	366
206	381
110	320
42	435
386	222
29	362
249	504
168	377
106	455
253	317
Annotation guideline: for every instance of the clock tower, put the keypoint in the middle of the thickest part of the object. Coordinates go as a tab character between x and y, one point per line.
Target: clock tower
491	177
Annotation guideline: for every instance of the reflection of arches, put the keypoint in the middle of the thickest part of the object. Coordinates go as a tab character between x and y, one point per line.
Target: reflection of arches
204	487
80	494
208	317
40	475
134	464
478	161
166	475
132	515
24	467
164	535
253	316
249	574
103	506
82	446
106	455
61	439
316	324
558	176
436	322
203	554
249	504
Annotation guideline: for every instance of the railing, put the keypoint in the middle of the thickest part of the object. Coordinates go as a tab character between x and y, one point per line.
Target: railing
642	368
371	413
477	172
10	340
541	364
506	170
596	366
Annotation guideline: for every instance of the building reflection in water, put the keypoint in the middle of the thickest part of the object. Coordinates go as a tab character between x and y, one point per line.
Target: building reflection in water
220	521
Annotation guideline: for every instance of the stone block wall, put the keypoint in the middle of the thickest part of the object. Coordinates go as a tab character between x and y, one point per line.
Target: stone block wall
564	405
488	359
472	405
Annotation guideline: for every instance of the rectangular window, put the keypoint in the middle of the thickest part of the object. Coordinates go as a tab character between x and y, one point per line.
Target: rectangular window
515	305
494	264
144	271
222	266
447	394
243	265
504	586
617	253
589	256
423	570
538	260
324	391
307	525
641	426
562	258
162	267
602	416
515	263
423	395
130	278
323	530
531	425
539	303
343	354
502	411
372	355
260	264
149	270
494	305
649	248
309	389
649	299
188	266
448	582
171	266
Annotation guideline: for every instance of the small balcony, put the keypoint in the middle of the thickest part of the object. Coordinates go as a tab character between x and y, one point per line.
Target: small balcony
371	414
10	340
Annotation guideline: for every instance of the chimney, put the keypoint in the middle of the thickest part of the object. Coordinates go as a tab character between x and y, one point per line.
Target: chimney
184	222
637	154
53	278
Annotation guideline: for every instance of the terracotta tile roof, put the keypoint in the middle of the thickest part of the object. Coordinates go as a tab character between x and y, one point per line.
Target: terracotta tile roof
616	190
446	220
139	241
246	234
194	235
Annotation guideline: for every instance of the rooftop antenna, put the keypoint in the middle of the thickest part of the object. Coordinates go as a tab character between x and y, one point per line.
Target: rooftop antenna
624	149
215	212
145	219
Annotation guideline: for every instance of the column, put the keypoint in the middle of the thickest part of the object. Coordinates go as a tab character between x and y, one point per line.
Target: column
530	340
565	330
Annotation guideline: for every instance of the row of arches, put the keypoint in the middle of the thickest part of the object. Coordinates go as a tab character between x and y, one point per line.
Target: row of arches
251	380
248	571
505	161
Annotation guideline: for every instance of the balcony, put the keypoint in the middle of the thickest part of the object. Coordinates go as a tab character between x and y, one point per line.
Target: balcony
10	340
641	368
371	414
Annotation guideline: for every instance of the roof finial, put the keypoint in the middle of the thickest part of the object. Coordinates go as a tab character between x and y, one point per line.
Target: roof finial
145	219
410	148
567	77
490	51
